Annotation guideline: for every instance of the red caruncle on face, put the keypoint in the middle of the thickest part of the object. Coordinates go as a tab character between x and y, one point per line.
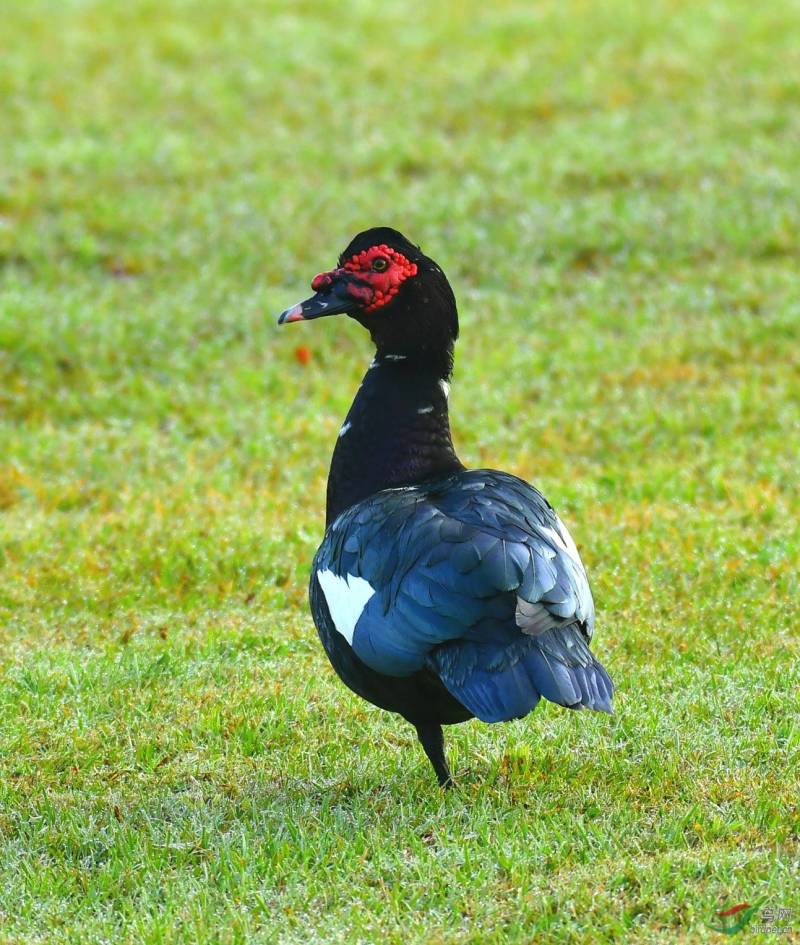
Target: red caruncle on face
373	276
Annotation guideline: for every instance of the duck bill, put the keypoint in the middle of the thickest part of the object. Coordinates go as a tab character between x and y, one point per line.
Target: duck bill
318	306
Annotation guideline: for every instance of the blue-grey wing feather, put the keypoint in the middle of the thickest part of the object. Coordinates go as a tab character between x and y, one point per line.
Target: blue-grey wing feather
476	578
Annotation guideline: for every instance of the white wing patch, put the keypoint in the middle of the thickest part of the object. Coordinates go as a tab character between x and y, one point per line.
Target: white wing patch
347	597
562	539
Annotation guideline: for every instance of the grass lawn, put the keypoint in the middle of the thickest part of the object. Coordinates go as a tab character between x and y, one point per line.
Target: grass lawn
614	191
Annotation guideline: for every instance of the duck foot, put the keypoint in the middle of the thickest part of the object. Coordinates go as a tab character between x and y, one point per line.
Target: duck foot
432	739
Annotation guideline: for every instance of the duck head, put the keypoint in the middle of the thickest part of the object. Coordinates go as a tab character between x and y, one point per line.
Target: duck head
388	285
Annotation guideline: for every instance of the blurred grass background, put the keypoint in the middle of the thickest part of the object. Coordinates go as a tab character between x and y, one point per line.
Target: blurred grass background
613	191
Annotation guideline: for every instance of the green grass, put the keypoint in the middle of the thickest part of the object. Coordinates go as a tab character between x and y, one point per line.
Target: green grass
613	189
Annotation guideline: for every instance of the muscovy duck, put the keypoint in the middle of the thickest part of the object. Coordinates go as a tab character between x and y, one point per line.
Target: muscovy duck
438	592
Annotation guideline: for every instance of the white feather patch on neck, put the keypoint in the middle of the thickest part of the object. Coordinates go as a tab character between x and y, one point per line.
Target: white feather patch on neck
445	388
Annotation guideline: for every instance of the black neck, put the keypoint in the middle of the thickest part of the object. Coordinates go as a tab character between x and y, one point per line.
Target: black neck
396	433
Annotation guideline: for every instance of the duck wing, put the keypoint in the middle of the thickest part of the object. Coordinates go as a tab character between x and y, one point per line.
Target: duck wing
474	577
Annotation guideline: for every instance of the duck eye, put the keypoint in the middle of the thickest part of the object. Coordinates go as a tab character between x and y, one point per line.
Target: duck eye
379	264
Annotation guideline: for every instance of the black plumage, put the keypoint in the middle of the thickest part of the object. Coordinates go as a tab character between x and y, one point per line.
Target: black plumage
440	593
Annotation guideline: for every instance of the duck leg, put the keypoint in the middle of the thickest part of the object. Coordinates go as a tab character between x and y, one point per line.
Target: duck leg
432	739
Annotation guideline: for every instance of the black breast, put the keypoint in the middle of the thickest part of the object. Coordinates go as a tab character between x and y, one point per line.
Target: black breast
419	698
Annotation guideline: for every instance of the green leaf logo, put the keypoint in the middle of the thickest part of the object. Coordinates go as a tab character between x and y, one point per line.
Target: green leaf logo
734	919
